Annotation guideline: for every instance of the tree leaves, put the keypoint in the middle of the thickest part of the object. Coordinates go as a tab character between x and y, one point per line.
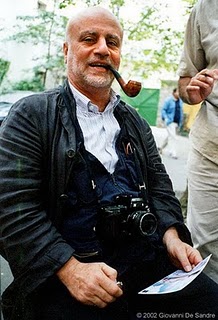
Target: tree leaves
153	43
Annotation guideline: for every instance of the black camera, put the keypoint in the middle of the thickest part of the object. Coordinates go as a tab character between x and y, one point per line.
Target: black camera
128	217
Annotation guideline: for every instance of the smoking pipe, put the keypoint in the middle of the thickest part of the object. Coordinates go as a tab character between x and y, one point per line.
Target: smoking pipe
131	89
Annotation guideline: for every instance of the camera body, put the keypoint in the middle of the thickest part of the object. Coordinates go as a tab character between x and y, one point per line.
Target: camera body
129	217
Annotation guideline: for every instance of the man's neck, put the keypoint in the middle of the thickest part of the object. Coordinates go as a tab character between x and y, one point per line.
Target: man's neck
98	96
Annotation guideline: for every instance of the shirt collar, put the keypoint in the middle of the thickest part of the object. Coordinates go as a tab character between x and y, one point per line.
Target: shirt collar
85	104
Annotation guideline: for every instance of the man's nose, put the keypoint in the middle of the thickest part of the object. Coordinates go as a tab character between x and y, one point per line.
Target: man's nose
101	47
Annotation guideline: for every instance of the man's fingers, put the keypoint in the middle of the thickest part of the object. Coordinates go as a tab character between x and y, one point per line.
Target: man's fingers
110	281
215	74
109	272
183	259
111	287
210	73
100	298
189	257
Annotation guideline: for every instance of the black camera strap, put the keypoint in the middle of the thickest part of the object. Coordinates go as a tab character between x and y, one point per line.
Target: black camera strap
142	184
138	146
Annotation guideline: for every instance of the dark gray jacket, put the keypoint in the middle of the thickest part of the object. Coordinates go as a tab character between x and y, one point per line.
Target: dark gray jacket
37	153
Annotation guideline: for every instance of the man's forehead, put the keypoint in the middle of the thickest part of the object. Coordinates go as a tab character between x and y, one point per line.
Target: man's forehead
96	22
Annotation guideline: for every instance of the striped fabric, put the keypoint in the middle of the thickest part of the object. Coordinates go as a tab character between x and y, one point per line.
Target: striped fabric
100	129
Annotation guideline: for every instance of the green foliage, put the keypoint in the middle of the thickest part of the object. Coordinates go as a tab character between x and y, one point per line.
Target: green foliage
4	66
153	45
34	84
45	30
190	4
163	44
114	5
64	3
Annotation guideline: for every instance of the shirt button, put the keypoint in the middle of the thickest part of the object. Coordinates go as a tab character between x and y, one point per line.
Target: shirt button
63	197
70	153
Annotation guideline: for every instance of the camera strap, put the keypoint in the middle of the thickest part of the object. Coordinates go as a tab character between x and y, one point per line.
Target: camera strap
136	143
142	184
130	149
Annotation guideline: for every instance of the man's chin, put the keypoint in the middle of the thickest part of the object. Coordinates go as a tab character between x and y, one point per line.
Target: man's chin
99	82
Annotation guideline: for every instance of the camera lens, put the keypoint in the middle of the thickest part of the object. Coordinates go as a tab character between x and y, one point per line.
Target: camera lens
146	223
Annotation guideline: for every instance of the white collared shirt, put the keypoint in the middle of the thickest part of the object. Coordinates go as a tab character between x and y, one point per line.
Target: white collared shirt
100	129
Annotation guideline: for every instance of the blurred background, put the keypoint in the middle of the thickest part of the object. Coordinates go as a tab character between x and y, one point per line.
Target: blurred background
31	59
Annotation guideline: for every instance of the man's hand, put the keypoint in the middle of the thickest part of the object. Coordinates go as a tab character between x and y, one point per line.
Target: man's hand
196	89
182	255
90	283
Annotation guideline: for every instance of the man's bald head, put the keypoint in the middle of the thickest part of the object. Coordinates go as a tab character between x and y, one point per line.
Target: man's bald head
92	13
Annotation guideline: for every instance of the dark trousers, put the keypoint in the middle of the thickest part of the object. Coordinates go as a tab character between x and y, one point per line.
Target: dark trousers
51	301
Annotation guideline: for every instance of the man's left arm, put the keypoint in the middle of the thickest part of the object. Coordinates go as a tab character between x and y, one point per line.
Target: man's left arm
171	227
182	255
161	195
162	200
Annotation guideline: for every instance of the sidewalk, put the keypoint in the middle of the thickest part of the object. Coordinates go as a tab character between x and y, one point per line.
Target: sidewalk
176	168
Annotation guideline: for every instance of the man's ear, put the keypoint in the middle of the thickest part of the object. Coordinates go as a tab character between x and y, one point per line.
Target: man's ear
65	50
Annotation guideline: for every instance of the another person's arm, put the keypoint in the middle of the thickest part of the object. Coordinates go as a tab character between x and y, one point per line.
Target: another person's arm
164	114
196	82
193	90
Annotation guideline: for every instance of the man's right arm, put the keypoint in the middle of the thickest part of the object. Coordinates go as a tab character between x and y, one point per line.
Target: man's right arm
29	241
90	283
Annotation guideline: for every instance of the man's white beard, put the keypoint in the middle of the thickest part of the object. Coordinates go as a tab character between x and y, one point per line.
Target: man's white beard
98	81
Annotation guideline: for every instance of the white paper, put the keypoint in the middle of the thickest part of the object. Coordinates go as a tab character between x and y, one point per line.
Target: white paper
176	280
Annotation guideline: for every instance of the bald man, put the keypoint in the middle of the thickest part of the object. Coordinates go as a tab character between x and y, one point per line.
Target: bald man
80	174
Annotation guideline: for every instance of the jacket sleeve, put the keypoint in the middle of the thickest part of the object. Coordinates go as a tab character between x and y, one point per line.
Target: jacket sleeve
28	239
160	191
164	111
181	113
